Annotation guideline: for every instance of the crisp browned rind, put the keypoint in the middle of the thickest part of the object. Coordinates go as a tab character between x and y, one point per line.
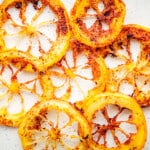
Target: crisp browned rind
133	72
58	48
95	36
39	120
81	71
101	103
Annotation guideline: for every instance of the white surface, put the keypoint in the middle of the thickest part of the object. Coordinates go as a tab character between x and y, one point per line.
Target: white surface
138	12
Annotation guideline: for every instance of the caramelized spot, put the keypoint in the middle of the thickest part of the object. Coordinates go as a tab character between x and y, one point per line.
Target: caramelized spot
37	122
18	5
107	13
129	36
62	24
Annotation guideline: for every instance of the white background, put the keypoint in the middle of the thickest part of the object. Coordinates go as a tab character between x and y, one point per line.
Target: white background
138	12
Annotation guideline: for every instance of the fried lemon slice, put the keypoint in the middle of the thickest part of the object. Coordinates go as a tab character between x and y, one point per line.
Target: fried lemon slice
128	60
82	71
97	22
35	31
19	91
117	122
54	124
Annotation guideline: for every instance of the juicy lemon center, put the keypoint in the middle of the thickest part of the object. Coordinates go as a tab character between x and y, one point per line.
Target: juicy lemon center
70	73
14	87
30	29
54	133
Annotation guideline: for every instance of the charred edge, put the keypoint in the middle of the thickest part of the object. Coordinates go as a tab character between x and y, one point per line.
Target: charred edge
23	63
42	73
18	5
86	137
78	21
37	122
113	55
34	2
76	107
129	35
43	112
62	24
78	46
111	47
5	121
99	18
120	43
98	49
107	13
148	56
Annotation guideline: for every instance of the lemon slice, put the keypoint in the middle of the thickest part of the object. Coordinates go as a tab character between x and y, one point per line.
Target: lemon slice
54	124
80	73
19	91
128	61
35	31
117	122
97	23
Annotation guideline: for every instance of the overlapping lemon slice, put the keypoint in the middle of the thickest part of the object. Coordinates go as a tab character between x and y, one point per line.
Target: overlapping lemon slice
97	22
81	72
54	124
35	31
128	60
117	122
19	91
